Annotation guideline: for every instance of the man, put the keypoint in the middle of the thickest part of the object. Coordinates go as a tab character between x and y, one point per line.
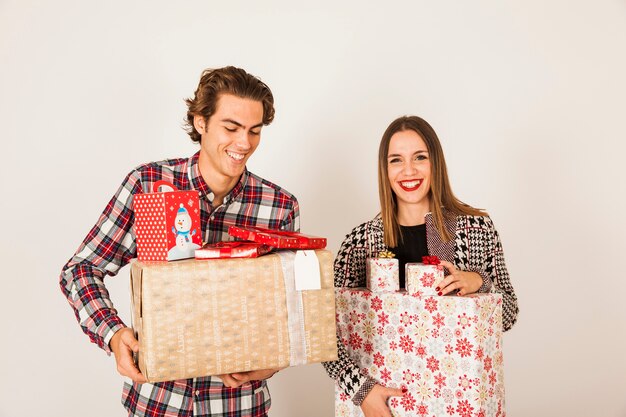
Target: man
225	117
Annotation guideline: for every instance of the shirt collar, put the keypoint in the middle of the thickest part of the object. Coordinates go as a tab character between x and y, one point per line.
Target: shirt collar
198	183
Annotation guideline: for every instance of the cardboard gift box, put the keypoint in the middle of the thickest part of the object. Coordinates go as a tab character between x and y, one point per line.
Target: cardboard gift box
167	223
421	279
447	351
278	238
197	317
382	274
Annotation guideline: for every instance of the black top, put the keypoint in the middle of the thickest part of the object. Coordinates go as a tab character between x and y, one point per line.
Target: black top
411	248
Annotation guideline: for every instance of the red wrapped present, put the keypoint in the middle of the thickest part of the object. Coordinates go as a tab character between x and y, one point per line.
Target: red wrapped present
278	238
167	223
232	250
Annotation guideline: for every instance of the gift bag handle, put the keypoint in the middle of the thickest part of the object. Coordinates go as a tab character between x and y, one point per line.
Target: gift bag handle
163	183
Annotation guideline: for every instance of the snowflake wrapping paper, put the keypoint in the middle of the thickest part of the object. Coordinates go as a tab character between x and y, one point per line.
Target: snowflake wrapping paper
447	351
382	274
421	279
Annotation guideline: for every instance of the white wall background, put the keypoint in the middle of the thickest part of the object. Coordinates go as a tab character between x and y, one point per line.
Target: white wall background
528	98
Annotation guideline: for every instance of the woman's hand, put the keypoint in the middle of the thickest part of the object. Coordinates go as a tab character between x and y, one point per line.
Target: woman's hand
464	281
375	403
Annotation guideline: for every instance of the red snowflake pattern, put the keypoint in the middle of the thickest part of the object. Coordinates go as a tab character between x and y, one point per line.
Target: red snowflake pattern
465	382
368	347
420	350
449	349
343	397
480	353
406	344
435	333
464	408
422	409
438	320
430	304
408	402
379	359
464	321
394	402
463	347
432	363
492	378
377	303
383	318
440	380
355	341
428	279
450	410
406	318
385	375
488	364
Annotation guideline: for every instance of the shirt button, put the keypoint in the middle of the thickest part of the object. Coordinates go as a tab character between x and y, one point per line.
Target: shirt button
197	393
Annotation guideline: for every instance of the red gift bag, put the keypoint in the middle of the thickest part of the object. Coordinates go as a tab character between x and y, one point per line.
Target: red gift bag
167	224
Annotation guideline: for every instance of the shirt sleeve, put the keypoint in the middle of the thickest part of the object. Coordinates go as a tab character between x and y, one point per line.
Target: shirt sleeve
108	247
291	222
350	272
487	250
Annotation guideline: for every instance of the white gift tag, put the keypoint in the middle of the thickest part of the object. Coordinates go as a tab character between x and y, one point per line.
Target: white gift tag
306	268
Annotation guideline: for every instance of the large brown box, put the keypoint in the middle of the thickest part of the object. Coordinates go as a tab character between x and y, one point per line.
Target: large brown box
197	317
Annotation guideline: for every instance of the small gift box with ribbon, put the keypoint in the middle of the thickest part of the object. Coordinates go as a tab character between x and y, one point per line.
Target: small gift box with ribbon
167	223
382	273
279	239
422	278
239	249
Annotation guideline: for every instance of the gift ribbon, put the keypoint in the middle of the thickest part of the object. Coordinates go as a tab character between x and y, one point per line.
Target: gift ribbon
295	311
430	260
386	254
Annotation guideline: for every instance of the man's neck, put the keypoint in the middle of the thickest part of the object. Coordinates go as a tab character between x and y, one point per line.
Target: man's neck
220	185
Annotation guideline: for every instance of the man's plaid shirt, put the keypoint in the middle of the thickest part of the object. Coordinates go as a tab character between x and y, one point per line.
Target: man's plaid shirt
111	244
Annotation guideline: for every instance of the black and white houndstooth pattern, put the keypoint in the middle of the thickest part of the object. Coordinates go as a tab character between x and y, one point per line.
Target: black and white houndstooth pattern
476	247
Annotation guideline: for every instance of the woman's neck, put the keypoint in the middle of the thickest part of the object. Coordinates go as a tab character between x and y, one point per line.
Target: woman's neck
412	214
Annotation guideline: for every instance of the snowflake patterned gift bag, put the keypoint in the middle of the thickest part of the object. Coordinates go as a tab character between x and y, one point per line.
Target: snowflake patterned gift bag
382	273
422	278
167	224
447	351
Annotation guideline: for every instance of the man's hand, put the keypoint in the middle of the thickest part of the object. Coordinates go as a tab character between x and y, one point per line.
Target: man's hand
123	344
375	403
236	380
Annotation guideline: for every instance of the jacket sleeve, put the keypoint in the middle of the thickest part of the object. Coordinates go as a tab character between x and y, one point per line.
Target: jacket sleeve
350	272
485	248
108	247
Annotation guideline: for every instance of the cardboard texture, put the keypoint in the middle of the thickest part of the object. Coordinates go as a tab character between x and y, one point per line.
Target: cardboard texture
382	274
167	224
197	318
447	351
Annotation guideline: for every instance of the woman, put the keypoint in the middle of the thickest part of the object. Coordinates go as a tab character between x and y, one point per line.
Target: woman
419	216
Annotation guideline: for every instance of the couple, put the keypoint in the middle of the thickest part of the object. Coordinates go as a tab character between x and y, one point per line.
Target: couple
419	216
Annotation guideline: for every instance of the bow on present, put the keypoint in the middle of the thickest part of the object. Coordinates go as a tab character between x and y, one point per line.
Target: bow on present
430	260
386	254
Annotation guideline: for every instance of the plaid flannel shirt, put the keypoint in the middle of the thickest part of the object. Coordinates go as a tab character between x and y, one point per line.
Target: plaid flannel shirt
111	244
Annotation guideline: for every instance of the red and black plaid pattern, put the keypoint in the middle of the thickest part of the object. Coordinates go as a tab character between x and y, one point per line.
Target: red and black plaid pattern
110	245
